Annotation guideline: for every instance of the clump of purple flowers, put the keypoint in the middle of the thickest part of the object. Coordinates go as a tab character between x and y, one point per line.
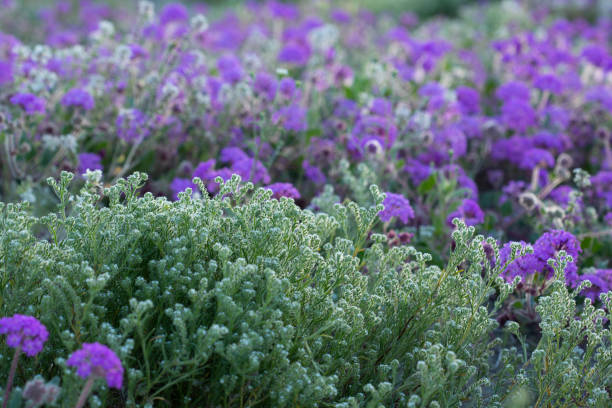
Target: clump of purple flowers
132	125
78	98
469	211
396	205
601	282
283	190
89	161
545	248
95	360
30	103
25	333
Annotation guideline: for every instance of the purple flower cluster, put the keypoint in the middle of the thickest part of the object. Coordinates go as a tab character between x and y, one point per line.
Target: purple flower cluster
469	211
601	282
396	205
95	359
89	161
283	190
24	332
78	98
30	103
545	248
28	334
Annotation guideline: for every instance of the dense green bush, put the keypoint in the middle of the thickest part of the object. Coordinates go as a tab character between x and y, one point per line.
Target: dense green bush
243	300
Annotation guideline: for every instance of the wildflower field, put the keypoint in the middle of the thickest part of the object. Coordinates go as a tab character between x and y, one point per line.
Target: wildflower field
306	204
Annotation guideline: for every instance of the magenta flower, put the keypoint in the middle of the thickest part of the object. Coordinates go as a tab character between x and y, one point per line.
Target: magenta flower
25	332
396	205
469	211
532	158
549	82
265	84
132	125
178	185
77	97
287	87
99	361
518	115
173	12
522	266
30	103
601	282
469	100
283	190
292	117
89	161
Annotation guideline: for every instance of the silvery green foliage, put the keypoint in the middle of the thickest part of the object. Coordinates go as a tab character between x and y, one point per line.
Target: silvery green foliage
243	300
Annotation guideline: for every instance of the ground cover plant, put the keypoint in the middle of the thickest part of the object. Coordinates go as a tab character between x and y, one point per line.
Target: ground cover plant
341	207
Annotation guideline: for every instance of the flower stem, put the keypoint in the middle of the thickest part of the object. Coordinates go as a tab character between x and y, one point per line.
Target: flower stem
9	383
85	393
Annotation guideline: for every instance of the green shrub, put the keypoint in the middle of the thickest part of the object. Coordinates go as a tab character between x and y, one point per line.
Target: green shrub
247	301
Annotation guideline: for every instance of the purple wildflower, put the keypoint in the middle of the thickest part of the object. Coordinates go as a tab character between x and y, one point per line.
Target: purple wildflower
340	16
230	68
376	128
596	55
313	173
132	125
292	117
513	90
600	95
233	155
601	282
518	115
77	97
522	266
283	190
265	84
30	103
396	205
418	170
287	88
89	161
283	11
536	157
25	332
178	185
295	52
469	100
98	360
602	183
205	169
550	243
173	12
252	170
6	72
381	107
469	211
547	140
549	82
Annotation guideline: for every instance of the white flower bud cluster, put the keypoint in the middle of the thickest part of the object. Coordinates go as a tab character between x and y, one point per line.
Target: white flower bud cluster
146	10
105	31
67	142
199	23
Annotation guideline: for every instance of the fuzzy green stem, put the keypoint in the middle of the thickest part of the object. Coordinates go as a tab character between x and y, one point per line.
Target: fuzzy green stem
9	383
85	393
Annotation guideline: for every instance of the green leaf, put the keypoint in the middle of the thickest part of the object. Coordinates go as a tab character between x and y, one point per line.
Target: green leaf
427	185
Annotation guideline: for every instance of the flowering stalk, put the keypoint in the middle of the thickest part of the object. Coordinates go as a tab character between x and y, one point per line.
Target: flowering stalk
9	383
85	393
